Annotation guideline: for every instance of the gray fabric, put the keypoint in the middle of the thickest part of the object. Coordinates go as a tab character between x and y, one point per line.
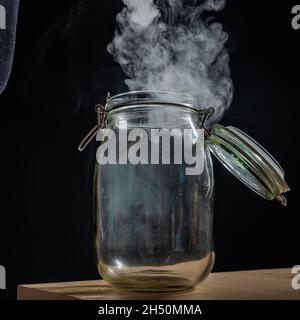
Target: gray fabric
8	12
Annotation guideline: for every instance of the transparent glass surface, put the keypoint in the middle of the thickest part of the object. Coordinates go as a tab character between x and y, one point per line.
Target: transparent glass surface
248	161
155	96
154	222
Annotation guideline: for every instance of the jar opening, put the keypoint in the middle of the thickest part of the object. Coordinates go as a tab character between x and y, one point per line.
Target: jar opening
153	98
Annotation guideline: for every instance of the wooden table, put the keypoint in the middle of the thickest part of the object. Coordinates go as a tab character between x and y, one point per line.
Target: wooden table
242	285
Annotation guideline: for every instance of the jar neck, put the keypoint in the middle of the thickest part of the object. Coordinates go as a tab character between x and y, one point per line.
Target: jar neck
150	116
151	98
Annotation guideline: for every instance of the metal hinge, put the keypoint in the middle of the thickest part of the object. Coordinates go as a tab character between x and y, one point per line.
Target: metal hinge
101	124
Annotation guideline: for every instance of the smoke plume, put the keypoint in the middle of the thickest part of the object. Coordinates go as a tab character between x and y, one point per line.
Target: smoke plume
175	45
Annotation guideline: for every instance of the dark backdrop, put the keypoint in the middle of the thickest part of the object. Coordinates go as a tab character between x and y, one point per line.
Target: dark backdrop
62	70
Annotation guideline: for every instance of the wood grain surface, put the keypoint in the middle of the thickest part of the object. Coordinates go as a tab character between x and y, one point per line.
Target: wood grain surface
273	284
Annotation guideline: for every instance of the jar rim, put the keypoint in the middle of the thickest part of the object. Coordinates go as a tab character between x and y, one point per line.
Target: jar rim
154	98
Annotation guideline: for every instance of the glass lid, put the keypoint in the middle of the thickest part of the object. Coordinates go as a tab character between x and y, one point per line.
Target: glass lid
248	161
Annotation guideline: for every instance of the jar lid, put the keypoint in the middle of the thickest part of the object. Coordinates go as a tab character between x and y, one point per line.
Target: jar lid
248	161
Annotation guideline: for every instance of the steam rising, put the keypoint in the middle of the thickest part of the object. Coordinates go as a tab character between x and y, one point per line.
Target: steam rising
173	45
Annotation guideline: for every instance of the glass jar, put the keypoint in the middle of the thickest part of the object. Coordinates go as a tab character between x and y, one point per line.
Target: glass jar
154	221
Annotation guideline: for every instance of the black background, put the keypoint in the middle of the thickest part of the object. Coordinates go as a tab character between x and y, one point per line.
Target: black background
62	70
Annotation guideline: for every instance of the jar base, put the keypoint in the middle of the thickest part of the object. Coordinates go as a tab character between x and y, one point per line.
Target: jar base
159	286
173	278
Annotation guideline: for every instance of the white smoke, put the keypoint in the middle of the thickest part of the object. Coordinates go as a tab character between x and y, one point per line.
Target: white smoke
141	13
174	45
